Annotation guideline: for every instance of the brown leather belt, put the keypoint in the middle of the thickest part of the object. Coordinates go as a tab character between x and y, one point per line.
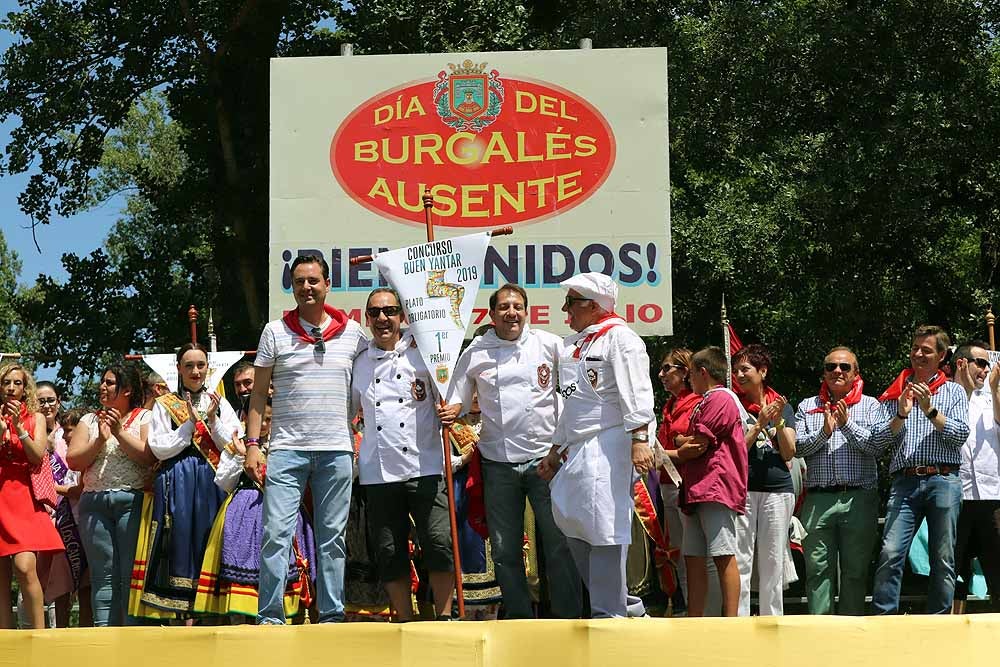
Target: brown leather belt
923	471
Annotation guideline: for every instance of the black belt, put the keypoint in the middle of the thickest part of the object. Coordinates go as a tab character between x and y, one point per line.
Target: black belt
935	469
834	488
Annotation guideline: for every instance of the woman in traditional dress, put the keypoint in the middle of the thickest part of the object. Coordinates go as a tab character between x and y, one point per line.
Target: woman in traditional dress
110	448
188	431
60	577
25	526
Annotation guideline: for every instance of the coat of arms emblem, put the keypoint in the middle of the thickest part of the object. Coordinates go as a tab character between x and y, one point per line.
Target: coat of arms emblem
418	390
544	375
441	374
469	98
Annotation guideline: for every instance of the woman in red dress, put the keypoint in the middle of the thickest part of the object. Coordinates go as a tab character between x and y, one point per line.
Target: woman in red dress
25	526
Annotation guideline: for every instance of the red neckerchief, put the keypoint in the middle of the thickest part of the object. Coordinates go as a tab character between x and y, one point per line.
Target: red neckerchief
895	389
853	396
24	419
338	320
672	411
591	337
770	395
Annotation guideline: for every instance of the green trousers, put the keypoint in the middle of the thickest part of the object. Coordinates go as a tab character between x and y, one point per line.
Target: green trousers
841	532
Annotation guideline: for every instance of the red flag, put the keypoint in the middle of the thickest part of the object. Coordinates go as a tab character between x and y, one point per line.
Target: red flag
734	341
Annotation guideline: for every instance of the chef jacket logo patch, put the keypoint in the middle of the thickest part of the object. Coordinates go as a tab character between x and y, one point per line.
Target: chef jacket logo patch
592	376
418	390
544	375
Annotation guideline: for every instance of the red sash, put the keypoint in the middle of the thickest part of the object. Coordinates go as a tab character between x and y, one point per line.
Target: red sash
664	558
202	439
338	320
898	385
853	396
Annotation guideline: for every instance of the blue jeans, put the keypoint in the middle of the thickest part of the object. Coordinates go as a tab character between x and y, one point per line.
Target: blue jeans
939	499
109	528
505	487
329	475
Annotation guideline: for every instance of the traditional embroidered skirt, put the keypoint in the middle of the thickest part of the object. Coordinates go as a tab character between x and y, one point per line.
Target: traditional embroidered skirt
185	504
230	571
479	583
365	598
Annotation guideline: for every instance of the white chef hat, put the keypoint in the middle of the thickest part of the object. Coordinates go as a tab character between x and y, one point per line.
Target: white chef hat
596	286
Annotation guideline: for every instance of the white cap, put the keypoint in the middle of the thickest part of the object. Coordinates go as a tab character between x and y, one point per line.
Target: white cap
596	286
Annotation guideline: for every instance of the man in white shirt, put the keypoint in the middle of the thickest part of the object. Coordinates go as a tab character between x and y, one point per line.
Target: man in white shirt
513	369
979	520
604	430
308	355
401	459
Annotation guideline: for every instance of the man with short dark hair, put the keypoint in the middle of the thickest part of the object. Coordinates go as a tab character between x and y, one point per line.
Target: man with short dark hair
401	460
604	430
513	369
309	354
979	520
243	377
833	433
925	446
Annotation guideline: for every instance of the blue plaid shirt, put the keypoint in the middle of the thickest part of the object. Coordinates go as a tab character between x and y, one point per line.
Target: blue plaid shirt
918	443
847	456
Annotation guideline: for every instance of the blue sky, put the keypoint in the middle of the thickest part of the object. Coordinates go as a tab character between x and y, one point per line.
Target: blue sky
79	234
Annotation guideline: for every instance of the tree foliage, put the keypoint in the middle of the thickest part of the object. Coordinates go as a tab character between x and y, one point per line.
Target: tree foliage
833	163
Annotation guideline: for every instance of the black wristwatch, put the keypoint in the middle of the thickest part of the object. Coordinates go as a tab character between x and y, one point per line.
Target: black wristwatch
932	414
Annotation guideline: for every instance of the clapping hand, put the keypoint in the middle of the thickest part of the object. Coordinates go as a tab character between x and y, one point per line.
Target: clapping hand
840	413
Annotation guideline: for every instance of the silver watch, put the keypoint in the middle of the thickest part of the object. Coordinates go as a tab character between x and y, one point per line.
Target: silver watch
640	437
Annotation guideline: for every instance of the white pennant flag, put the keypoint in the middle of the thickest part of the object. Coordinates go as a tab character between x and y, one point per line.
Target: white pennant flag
438	283
219	364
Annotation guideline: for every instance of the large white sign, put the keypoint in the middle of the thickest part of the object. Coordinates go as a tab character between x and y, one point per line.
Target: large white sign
570	148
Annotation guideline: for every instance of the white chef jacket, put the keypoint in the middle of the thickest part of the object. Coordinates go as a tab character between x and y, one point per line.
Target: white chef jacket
607	393
166	442
516	384
980	471
616	366
402	436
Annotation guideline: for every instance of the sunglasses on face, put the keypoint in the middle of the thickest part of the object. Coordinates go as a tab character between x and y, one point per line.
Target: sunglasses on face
666	367
319	345
570	300
979	361
843	365
388	311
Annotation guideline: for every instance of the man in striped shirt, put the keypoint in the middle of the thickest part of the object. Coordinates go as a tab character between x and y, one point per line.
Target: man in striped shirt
924	423
308	354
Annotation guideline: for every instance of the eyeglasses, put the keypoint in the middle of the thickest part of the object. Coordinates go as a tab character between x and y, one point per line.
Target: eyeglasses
979	361
843	365
319	345
571	299
388	311
48	401
667	367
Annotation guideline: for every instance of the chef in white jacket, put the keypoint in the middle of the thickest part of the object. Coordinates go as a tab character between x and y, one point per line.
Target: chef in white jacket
512	369
604	434
401	460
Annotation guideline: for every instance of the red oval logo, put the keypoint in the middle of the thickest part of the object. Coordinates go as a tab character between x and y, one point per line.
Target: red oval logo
492	150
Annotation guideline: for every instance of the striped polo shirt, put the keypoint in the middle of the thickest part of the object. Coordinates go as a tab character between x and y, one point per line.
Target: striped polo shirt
312	389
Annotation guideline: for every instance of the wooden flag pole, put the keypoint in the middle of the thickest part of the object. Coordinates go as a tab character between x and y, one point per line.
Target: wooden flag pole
446	446
193	319
990	323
